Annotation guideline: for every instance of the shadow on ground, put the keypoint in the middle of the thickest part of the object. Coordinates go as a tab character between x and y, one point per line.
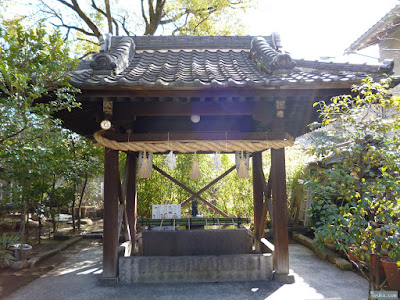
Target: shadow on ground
77	278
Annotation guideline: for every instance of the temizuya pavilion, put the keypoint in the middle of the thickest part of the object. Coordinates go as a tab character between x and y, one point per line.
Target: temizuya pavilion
249	95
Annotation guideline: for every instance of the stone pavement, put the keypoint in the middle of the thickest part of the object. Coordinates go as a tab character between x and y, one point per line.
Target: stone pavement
77	278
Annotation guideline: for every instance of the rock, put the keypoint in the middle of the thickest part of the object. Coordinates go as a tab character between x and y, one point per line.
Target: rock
306	241
343	264
61	235
18	265
321	253
86	221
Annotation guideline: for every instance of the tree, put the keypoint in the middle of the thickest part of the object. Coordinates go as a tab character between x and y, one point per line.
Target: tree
356	195
33	65
88	21
35	152
84	162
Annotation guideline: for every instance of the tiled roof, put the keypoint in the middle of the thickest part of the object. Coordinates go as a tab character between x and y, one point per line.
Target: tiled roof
201	62
375	33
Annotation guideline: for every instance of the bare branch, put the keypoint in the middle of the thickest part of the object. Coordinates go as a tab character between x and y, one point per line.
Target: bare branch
98	9
123	23
86	55
201	22
69	27
83	16
146	21
174	18
2	140
87	40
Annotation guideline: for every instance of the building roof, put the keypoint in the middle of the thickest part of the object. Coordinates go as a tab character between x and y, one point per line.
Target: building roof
204	62
373	35
150	86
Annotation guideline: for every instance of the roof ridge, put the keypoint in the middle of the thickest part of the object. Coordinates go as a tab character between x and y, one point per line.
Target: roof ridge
152	42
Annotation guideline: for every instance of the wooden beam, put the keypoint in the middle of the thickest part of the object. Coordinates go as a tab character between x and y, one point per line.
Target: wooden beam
178	183
194	221
130	183
257	199
280	224
110	230
213	207
202	190
180	136
110	92
128	110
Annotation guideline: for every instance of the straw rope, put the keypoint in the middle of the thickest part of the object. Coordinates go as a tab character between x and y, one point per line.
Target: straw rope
190	146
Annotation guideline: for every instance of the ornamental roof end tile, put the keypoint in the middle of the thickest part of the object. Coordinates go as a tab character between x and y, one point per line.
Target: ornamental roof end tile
113	61
269	59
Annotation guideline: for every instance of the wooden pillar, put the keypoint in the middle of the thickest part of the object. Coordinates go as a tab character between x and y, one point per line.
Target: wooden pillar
111	205
131	194
258	193
280	212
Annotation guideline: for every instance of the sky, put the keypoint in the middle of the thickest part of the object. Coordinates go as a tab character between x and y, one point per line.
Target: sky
312	29
318	28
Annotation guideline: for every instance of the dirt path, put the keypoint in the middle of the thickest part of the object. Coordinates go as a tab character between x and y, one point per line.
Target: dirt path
12	280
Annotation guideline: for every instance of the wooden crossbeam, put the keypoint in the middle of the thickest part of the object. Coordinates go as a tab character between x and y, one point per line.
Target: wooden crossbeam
193	221
125	110
202	190
190	191
228	92
181	136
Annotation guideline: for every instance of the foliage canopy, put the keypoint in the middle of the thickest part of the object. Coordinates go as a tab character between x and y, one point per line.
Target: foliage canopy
356	192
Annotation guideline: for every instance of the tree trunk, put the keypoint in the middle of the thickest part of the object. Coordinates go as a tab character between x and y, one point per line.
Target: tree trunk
80	202
109	18
40	219
22	229
72	210
53	214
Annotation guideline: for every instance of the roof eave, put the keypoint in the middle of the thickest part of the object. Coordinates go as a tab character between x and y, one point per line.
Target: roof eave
371	37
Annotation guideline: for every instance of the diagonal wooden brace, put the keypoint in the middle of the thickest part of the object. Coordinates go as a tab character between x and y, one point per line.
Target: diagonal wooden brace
194	194
187	201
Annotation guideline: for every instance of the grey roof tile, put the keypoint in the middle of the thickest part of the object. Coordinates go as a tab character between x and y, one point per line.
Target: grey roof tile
263	65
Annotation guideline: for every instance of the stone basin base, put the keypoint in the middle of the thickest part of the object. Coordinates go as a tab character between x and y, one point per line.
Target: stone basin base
208	268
